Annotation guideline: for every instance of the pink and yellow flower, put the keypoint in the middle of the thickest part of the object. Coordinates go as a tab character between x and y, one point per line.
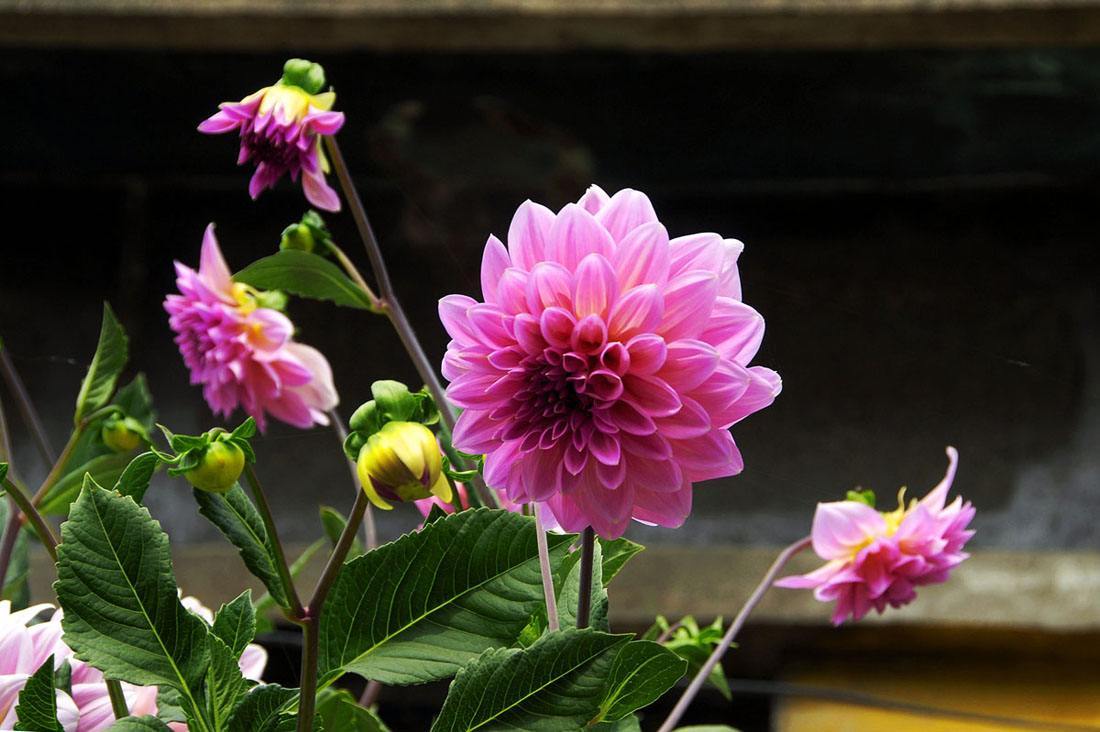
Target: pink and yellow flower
877	559
244	354
281	127
606	364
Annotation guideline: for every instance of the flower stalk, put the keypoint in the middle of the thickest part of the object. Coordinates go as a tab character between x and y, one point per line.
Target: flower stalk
547	578
584	598
296	611
735	627
33	517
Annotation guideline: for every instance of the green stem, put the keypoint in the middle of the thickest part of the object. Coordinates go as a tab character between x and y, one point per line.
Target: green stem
307	701
544	568
59	465
118	699
370	531
376	304
34	517
731	633
584	599
297	612
26	406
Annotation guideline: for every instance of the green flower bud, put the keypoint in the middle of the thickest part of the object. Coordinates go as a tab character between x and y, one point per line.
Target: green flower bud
311	234
304	74
402	462
123	434
219	467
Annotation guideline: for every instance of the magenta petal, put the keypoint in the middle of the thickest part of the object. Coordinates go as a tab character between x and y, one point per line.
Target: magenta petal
647	353
691	421
735	329
593	199
651	395
549	285
212	266
528	234
494	262
556	325
840	526
475	433
319	192
689	299
710	456
638	311
689	363
627	210
605	448
642	256
453	311
576	234
218	123
697	251
595	287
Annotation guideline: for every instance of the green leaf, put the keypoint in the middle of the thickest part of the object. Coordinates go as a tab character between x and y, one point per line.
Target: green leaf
225	684
265	603
17	585
616	553
37	709
306	275
626	724
110	358
642	672
555	685
419	608
393	399
148	723
136	401
236	517
333	523
694	645
569	593
105	469
340	712
263	709
117	588
235	623
135	477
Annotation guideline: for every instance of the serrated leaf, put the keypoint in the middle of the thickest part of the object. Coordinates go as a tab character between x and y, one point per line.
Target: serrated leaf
225	684
135	477
148	723
263	709
105	470
641	673
235	623
306	275
240	522
616	553
419	608
110	358
117	588
556	685
569	593
136	401
339	712
37	708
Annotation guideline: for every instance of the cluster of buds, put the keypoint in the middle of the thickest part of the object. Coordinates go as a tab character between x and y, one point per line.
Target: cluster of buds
214	460
397	457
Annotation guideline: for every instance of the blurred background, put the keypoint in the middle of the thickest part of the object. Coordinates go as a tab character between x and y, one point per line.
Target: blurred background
917	188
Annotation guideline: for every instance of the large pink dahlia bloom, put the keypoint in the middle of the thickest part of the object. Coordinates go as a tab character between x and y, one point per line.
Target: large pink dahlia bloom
874	559
281	128
604	368
244	354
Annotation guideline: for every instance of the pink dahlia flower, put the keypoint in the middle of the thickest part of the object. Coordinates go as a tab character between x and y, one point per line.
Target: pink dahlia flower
874	559
281	128
244	354
604	368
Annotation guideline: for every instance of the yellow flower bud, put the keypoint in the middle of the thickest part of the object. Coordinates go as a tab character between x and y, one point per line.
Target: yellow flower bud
218	469
401	462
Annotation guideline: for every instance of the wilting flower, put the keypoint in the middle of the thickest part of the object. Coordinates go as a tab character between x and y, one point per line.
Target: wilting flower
875	559
24	648
243	353
402	462
603	370
281	127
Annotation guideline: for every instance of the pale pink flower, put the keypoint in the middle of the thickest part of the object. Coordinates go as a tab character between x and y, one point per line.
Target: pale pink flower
604	368
874	559
281	127
23	649
244	355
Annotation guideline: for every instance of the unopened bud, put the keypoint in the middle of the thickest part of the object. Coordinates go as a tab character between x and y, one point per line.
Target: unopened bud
123	434
219	467
304	74
402	462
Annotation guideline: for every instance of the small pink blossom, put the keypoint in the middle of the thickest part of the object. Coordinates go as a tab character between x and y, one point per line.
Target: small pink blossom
244	355
874	559
281	127
606	364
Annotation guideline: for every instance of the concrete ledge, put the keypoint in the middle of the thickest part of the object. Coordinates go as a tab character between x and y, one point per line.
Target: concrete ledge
1025	591
545	25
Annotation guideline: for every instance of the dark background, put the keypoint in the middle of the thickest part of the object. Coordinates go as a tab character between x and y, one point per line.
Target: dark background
919	230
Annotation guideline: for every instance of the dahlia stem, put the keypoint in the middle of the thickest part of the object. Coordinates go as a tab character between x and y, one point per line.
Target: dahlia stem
390	304
735	627
370	531
11	526
34	517
26	406
59	465
118	699
297	612
307	701
584	600
376	304
547	578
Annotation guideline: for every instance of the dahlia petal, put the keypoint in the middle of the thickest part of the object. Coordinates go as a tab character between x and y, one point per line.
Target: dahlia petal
936	498
490	324
593	199
556	326
320	393
631	419
691	421
605	448
735	329
663	509
324	122
549	285
528	234
576	234
689	363
542	473
212	267
696	251
729	279
471	391
651	395
595	287
721	393
319	192
221	121
589	336
840	526
494	262
642	256
627	210
454	313
688	298
611	476
713	455
647	353
512	291
638	311
528	334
